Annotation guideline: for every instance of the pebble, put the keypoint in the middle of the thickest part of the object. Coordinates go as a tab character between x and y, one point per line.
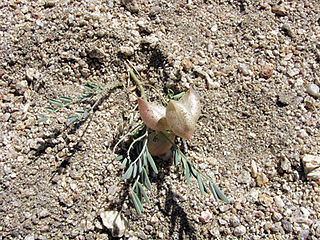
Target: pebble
279	10
261	179
205	217
31	74
288	30
277	216
96	53
243	68
287	226
279	202
114	222
131	5
22	86
293	72
50	3
244	177
240	230
313	90
311	164
254	169
266	72
234	221
155	11
127	51
303	234
285	164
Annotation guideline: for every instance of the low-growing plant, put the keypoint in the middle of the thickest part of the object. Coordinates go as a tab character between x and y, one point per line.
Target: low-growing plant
155	136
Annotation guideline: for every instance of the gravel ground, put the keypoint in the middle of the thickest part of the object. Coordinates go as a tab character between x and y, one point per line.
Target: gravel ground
255	65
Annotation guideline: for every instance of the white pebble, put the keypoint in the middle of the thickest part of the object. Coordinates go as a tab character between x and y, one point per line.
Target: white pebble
313	90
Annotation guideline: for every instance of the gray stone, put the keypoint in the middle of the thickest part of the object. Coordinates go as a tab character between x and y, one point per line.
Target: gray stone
287	226
244	177
313	90
303	234
127	51
234	221
155	11
240	230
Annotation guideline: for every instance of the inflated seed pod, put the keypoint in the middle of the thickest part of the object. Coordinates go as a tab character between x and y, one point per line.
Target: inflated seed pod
183	115
153	115
158	144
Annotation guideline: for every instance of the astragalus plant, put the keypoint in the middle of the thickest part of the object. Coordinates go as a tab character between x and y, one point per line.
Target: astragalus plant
155	137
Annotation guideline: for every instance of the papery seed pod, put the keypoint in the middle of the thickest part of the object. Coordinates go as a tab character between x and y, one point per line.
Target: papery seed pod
158	144
153	115
183	115
192	101
180	119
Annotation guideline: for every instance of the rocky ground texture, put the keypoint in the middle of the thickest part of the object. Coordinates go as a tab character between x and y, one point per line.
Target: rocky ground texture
255	65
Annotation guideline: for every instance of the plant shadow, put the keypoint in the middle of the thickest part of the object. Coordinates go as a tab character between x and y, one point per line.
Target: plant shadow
179	221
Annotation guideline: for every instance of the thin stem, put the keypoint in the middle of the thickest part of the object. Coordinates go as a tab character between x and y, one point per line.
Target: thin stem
134	141
136	80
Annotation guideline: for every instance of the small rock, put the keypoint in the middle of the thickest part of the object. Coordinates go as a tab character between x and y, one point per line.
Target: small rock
234	221
313	90
96	53
279	10
293	72
243	68
278	201
131	5
244	177
304	234
254	169
205	216
261	179
285	164
287	226
311	165
29	237
288	30
275	228
186	64
43	213
276	216
31	74
240	230
127	51
155	11
224	208
50	3
22	86
151	39
265	200
266	72
113	221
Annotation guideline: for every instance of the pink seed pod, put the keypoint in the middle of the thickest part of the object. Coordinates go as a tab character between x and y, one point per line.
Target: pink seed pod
153	115
183	115
158	144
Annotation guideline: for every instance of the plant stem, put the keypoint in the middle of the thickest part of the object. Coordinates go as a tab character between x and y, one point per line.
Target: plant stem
137	81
